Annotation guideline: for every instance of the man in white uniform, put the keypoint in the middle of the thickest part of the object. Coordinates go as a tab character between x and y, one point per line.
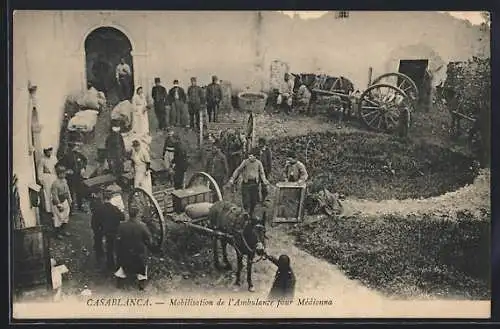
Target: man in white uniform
286	93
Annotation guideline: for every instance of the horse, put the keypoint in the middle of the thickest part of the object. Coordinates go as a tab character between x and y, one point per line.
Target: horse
246	235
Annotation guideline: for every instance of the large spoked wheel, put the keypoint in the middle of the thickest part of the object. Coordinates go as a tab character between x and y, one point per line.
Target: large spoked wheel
204	179
381	108
150	214
401	81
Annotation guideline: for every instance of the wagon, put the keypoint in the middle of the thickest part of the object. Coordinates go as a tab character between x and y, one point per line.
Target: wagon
168	204
383	106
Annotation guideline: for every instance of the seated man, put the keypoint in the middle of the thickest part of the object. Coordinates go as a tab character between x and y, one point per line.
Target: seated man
286	94
303	97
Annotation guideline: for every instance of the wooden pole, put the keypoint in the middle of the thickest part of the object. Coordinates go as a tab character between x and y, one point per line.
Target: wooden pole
201	128
370	74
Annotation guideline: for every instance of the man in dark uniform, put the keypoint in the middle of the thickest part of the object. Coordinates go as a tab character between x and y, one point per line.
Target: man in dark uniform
235	149
180	164
168	153
252	175
217	165
105	221
134	240
214	97
195	97
159	95
177	101
115	150
266	159
76	163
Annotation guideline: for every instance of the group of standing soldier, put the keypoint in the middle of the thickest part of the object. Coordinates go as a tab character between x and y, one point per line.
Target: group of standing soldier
180	109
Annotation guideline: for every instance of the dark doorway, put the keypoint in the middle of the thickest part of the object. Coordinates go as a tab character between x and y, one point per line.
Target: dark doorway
104	47
415	69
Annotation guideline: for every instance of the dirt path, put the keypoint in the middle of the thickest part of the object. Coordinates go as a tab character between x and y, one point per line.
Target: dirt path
471	198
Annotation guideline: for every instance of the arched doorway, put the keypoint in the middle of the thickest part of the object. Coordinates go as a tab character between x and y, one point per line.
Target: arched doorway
104	48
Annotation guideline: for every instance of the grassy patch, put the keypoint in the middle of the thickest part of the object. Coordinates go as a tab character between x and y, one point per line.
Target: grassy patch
407	257
376	166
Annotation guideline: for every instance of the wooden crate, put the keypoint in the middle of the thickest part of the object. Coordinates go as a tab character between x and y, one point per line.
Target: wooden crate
289	203
197	194
31	259
163	195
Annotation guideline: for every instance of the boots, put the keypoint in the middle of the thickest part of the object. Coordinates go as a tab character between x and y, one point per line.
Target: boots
120	283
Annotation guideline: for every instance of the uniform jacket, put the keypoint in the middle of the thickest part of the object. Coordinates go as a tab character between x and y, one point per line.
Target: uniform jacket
295	172
180	159
159	95
195	95
75	161
214	93
217	165
115	146
106	218
180	91
169	145
266	159
134	239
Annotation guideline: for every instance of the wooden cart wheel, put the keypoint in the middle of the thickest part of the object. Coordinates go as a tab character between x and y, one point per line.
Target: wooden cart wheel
150	213
204	179
380	107
401	81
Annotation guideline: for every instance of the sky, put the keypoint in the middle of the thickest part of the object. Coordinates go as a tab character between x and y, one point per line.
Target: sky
472	16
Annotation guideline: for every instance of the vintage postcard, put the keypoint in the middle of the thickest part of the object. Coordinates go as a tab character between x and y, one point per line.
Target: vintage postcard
250	164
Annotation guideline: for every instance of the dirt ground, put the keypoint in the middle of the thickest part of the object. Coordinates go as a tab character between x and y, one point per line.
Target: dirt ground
186	264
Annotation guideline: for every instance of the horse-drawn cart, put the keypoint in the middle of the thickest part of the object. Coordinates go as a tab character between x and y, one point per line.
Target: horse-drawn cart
384	106
200	207
167	203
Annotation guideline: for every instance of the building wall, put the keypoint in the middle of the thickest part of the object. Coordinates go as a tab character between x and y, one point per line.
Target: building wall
49	51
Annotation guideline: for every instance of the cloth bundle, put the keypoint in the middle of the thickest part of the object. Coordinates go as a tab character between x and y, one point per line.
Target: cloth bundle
84	121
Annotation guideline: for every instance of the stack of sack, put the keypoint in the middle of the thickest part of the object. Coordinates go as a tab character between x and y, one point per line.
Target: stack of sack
83	121
90	99
122	113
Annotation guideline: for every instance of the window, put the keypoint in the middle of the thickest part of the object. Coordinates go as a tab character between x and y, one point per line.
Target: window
342	14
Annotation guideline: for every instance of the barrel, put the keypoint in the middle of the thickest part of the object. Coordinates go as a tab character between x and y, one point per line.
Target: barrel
254	102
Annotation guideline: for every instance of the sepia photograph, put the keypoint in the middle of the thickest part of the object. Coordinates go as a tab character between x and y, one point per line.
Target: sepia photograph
250	164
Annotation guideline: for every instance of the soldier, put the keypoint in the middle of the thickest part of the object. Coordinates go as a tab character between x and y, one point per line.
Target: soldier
177	100
76	163
252	175
168	152
286	94
134	240
159	95
266	159
295	171
105	221
214	97
115	150
195	102
180	164
235	149
217	165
